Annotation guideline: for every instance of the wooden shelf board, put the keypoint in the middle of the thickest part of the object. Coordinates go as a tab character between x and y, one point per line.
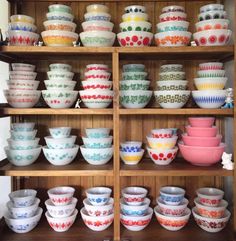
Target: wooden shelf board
12	1
178	167
44	168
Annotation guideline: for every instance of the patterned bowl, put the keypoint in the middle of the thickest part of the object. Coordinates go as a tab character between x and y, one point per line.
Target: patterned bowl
22	18
97	67
212	24
162	143
172	223
23	67
172	99
97	26
98	196
60	157
162	156
211	73
61	224
97	132
216	14
173	38
162	133
201	121
173	8
135	39
173	16
135	9
97	8
171	68
96	84
202	131
209	99
172	195
172	26
22	26
136	26
60	132
97	75
134	211
59	25
61	84
131	158
57	15
131	146
22	75
97	16
136	223
166	76
201	141
133	68
23	145
134	75
59	38
24	126
60	143
22	157
96	223
23	135
60	67
134	196
133	99
136	17
172	85
23	198
211	7
58	99
97	143
217	83
59	8
211	225
60	76
22	38
22	84
99	211
211	66
134	84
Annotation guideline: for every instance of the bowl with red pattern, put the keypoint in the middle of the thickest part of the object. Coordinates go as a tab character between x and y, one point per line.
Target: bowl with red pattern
136	223
61	196
201	141
22	38
173	16
135	39
212	24
97	75
162	133
201	121
212	225
172	223
202	131
210	196
211	66
92	67
162	156
96	84
134	195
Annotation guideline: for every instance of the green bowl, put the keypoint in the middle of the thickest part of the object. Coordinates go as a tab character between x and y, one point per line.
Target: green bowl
171	68
134	75
136	26
134	85
172	76
59	8
133	68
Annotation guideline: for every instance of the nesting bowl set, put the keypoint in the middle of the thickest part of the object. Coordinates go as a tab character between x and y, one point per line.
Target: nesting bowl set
201	145
97	93
97	148
134	93
173	27
22	92
23	211
135	211
171	87
61	148
212	28
60	86
23	147
135	28
98	210
61	208
59	27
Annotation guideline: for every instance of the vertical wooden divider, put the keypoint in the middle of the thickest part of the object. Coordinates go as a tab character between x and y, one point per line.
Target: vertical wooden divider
234	125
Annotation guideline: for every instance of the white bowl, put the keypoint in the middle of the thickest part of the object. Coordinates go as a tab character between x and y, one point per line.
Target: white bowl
99	211
58	76
131	146
98	196
22	75
212	24
22	38
99	156
25	126
23	212
60	132
23	67
135	9
173	8
97	26
60	8
211	7
97	143
128	17
172	26
97	16
215	83
22	18
211	66
172	85
214	14
23	145
171	68
172	195
60	67
97	75
97	67
61	211
23	135
162	143
134	75
60	157
96	84
173	16
134	195
211	73
60	143
92	222
56	15
23	198
22	84
136	26
22	26
97	132
59	25
61	84
23	225
131	158
97	8
134	84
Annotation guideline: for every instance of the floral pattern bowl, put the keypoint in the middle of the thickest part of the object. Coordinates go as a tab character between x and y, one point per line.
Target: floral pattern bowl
136	26
60	132
61	84
134	75
23	135
97	75
25	126
212	24
22	84
97	16
60	143
172	195
134	84
23	197
23	144
97	132
96	84
97	143
60	67
60	75
133	68
131	146
61	16
59	25
98	196
97	26
134	196
172	26
23	67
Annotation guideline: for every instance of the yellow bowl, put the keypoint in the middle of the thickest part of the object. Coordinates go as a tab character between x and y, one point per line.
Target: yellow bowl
131	158
162	143
99	8
22	18
134	17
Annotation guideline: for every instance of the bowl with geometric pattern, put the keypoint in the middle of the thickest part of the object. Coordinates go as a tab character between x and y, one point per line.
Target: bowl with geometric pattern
172	85
216	83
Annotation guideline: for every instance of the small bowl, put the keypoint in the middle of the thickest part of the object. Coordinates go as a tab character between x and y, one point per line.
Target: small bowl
22	18
134	84
98	196
166	76
101	8
96	223
211	66
127	17
60	67
97	132
134	75
59	8
22	38
97	143
130	210
162	133
23	198
97	26
22	75
211	73
57	15
171	68
216	14
172	85
23	67
60	143
215	83
212	24
136	223
211	225
22	84
136	26
26	126
61	84
133	68
99	211
172	223
23	212
172	195
202	131
211	7
97	75
162	143
201	121
134	196
23	145
97	16
172	26
59	25
201	141
61	211
135	9
63	75
173	8
97	67
173	16
61	224
60	132
23	135
131	146
61	196
131	158
22	26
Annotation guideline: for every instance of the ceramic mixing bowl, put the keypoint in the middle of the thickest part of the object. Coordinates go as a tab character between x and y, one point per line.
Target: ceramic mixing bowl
22	84
97	143
23	135
97	26
23	67
215	83
211	7
22	26
97	8
23	145
172	85
60	67
60	132
131	158
58	76
22	38
22	75
162	143
128	17
58	15
136	26
215	14
23	197
98	196
201	121
172	26
166	76
61	84
134	84
60	143
96	84
133	68
97	75
25	126
211	66
59	8
135	9
97	132
59	25
202	131
22	18
131	146
172	195
171	68
173	16
134	75
134	196
201	141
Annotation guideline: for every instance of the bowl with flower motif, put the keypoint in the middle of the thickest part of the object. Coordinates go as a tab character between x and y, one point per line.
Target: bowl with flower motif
23	144
134	84
98	196
23	67
60	75
134	196
24	126
97	132
61	16
172	26
23	197
22	84
172	195
131	146
135	9
173	16
23	135
97	75
61	84
59	25
133	68
22	75
96	84
60	143
97	25
134	75
214	14
97	143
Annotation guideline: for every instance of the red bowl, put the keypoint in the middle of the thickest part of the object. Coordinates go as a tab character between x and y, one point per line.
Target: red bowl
201	156
202	131
201	121
201	141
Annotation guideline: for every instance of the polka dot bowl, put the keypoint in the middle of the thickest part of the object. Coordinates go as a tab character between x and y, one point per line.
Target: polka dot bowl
136	26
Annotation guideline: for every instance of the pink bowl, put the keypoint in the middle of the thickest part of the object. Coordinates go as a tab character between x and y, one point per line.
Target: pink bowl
202	156
201	121
202	131
201	141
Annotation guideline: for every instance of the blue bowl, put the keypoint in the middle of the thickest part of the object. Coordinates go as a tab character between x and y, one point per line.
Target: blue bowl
172	195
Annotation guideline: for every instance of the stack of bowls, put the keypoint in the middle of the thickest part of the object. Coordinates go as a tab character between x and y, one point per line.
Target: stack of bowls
131	152
173	27
97	148
135	28
97	93
201	145
210	212
210	85
61	212
171	87
212	28
22	85
98	210
171	210
22	31
60	149
134	87
135	211
23	148
60	29
24	212
162	149
60	91
97	27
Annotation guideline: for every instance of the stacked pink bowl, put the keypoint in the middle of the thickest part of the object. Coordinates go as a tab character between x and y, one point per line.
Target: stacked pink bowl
201	145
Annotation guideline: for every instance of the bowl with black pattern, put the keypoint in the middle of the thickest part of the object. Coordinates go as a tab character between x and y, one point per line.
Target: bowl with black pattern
172	85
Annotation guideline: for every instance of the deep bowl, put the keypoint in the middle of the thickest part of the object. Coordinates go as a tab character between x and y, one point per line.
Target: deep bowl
61	84
23	135
173	16
97	16
22	26
59	8
131	146
22	18
97	8
166	76
97	75
23	67
201	141
97	132
135	26
172	85
59	25
211	7
134	84
97	67
202	131
97	26
22	144
60	67
213	83
25	126
134	75
23	198
97	143
60	143
133	68
60	132
162	143
98	196
212	24
171	68
201	121
60	75
61	16
22	84
128	17
131	158
211	66
214	14
22	38
22	75
172	26
172	195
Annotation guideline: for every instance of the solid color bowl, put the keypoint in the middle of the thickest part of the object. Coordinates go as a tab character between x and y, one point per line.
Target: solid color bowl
99	211
60	132
97	26
97	75
135	9
97	67
22	18
23	197
172	195
133	68
172	26
216	14
172	85
171	68
215	83
97	16
134	75
97	132
134	196
22	75
58	76
211	66
128	17
61	84
22	26
136	26
56	15
211	7
173	8
162	143
131	158
201	141
173	16
97	143
98	196
59	25
134	84
23	67
97	8
201	156
22	144
201	121
60	143
212	24
59	8
22	38
166	76
131	146
25	126
23	135
22	84
211	73
202	131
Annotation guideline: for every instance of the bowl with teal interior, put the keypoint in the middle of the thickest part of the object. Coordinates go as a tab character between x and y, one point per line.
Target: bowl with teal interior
172	195
23	145
97	156
22	157
23	197
60	143
136	26
134	84
134	75
172	26
60	132
60	157
97	132
59	8
23	135
27	126
133	67
131	146
97	143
